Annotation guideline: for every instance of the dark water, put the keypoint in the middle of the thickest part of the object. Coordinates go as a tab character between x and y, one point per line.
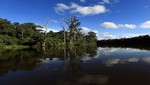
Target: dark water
91	66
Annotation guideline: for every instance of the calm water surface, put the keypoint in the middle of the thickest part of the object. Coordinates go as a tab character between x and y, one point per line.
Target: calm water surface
93	66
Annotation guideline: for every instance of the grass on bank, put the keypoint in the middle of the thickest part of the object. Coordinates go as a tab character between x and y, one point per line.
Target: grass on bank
11	47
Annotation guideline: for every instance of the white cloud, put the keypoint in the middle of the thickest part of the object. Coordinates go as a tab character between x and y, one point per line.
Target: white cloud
109	25
100	35
85	30
106	35
109	1
60	7
54	30
83	10
112	25
105	2
131	26
82	1
48	30
129	35
145	24
90	10
54	21
73	6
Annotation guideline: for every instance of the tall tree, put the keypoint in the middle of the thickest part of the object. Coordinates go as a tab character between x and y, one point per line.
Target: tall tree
64	29
73	24
45	33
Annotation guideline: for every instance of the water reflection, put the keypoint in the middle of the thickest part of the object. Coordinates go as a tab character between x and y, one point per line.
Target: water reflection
29	59
111	62
87	80
124	56
147	59
18	60
75	66
94	79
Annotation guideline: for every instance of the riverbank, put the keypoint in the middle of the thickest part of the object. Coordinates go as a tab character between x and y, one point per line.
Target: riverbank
12	47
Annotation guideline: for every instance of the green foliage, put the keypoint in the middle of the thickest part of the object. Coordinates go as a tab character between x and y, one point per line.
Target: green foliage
50	41
91	37
28	34
2	45
6	27
7	40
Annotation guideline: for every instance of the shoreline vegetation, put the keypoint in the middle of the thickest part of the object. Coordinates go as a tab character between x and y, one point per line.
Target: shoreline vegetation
142	42
13	47
30	59
29	35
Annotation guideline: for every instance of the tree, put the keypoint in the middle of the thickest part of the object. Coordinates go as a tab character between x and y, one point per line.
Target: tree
28	34
73	25
6	27
63	26
92	36
45	33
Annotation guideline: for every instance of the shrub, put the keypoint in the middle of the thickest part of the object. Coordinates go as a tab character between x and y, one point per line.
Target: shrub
8	40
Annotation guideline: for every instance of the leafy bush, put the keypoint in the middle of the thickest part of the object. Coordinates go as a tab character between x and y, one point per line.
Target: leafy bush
1	45
7	40
50	41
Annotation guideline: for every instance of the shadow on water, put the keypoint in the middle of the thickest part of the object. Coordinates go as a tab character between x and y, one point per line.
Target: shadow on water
30	59
75	66
13	60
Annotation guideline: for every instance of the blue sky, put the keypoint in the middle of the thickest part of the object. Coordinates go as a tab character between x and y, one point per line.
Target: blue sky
108	18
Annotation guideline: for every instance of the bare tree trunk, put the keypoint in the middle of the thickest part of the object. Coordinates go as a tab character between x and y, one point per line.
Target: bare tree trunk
64	36
46	28
43	44
22	35
63	26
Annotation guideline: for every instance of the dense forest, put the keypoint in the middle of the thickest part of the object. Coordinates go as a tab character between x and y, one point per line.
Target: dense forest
27	34
136	42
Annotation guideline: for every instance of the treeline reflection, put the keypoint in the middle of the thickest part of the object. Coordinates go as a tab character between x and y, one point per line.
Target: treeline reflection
29	59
